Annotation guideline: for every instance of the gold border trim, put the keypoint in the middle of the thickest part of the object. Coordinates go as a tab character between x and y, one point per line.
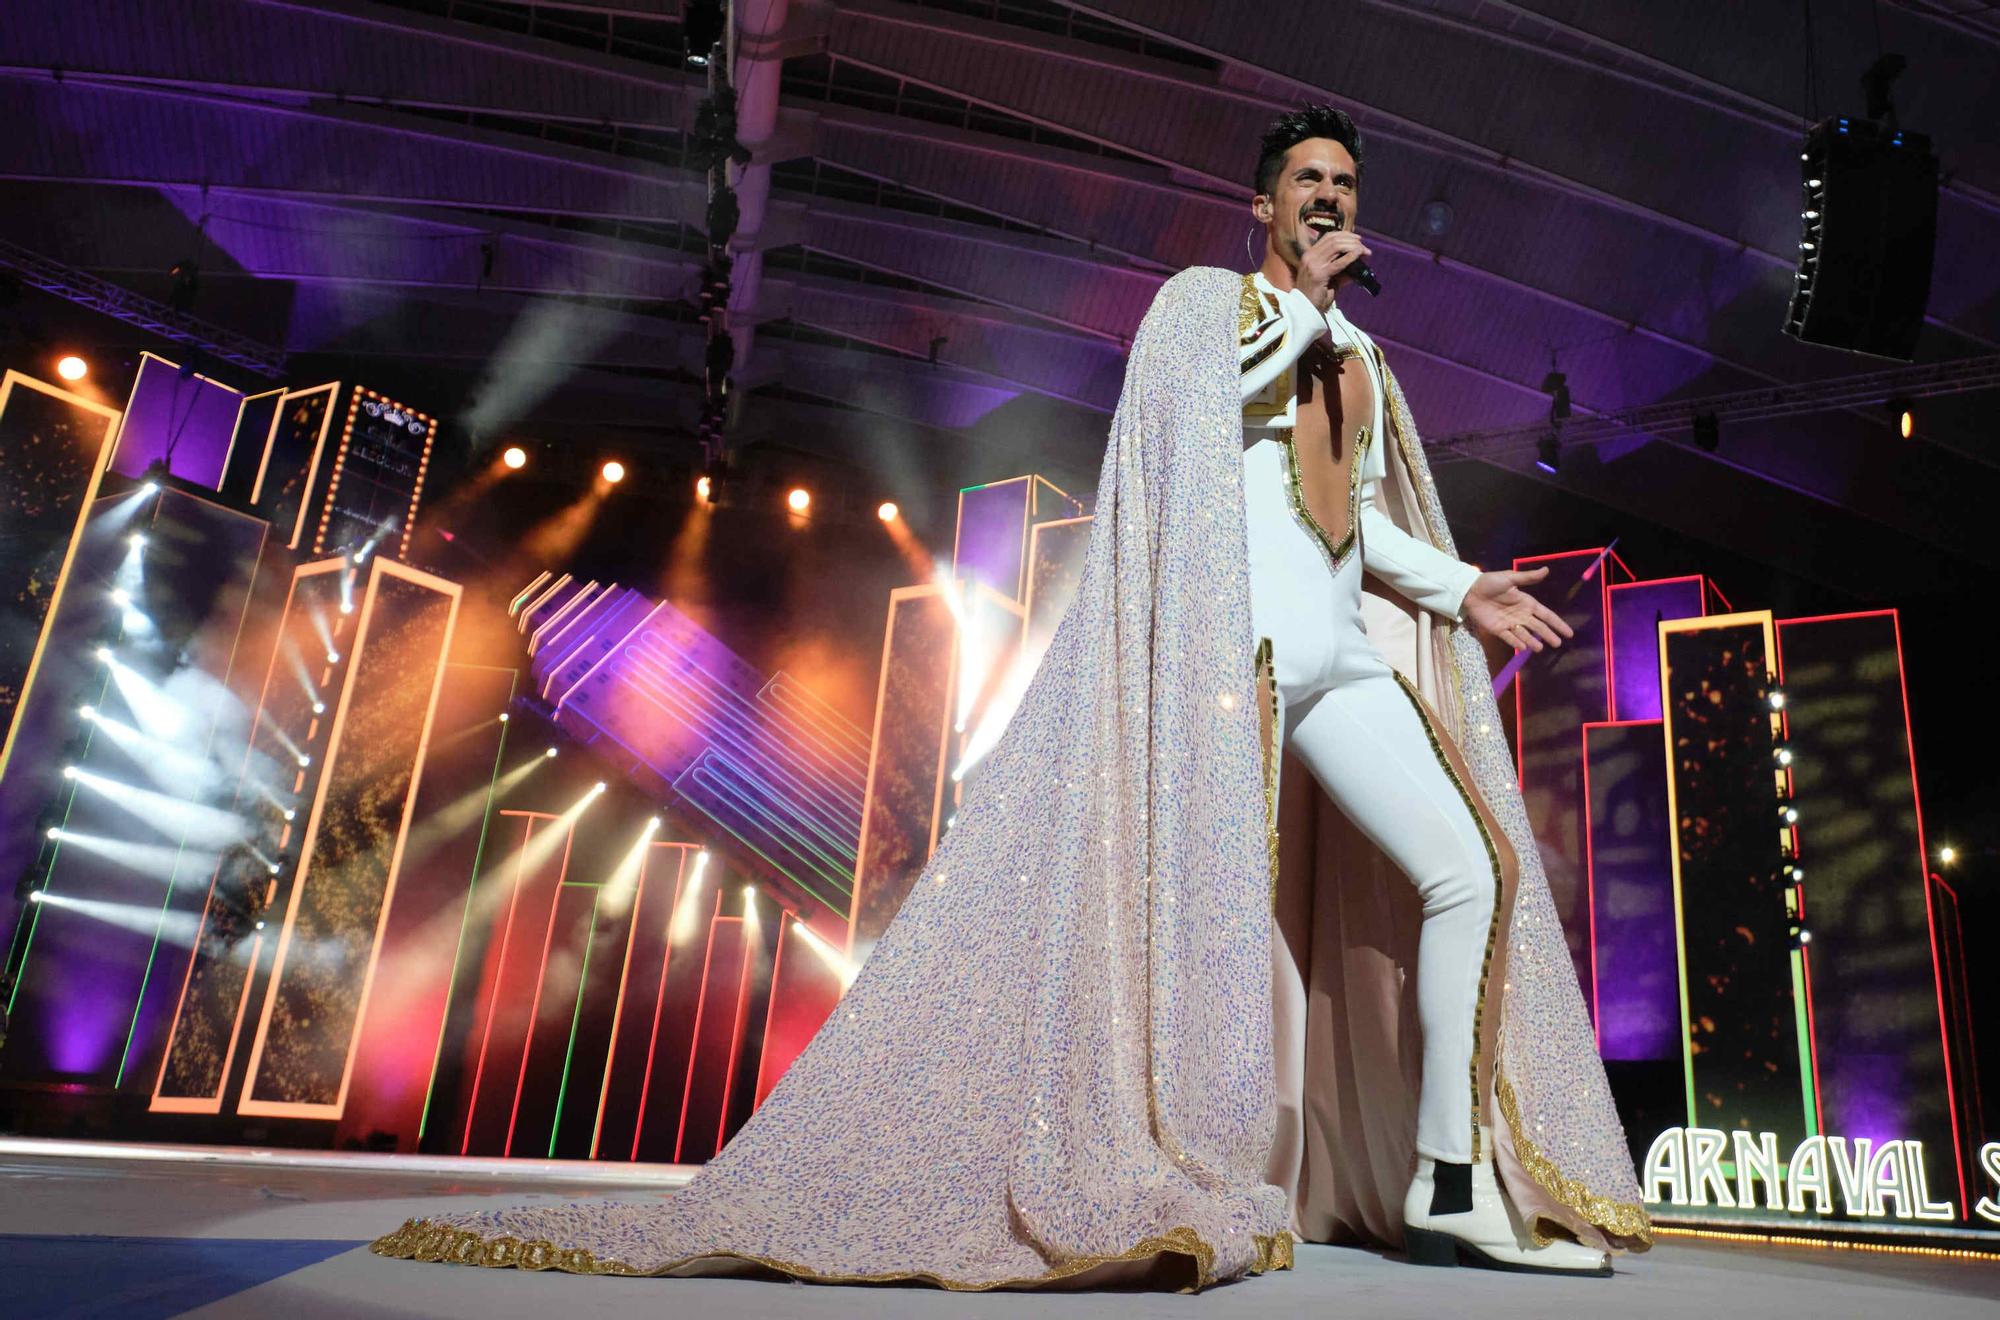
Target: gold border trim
1622	1219
429	1240
1499	887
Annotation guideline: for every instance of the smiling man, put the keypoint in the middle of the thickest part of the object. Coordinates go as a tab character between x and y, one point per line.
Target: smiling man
1341	558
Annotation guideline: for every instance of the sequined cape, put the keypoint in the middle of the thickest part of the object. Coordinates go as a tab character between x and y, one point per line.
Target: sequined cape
1058	1055
1056	1063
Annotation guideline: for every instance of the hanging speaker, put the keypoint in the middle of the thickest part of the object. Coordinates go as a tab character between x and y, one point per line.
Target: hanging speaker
1868	235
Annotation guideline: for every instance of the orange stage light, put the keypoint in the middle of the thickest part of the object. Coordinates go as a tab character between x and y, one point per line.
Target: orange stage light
72	367
888	512
614	472
515	457
800	499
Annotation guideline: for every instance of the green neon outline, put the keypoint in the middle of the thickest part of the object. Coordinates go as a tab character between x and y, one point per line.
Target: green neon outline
465	920
1805	1042
582	976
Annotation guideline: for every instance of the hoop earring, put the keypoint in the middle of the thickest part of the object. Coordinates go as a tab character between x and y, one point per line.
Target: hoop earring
1249	243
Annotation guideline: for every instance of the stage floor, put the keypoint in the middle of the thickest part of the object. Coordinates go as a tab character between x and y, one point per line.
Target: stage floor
130	1233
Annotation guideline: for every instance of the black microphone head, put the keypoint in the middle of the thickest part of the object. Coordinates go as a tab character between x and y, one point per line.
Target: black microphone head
1360	274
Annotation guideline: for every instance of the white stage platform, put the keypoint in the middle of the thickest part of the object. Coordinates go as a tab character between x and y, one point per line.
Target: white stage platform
58	1189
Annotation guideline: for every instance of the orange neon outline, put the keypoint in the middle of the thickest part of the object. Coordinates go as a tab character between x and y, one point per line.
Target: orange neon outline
506	937
700	1005
113	418
312	468
625	975
242	405
246	1103
213	1105
736	1024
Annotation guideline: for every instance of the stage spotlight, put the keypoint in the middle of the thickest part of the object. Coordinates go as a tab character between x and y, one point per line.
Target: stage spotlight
72	367
888	512
614	472
150	488
259	925
653	826
1947	855
138	540
1784	755
121	597
515	457
87	712
1548	454
1905	415
1791	815
1805	937
304	760
551	753
272	868
597	788
319	708
702	486
35	897
69	772
333	657
290	814
503	717
104	653
800	499
55	831
1777	699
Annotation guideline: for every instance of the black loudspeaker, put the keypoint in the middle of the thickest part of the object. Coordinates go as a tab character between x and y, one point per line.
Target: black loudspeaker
1870	230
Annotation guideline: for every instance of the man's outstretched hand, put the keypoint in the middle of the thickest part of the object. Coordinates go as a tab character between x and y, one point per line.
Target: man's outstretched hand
1497	607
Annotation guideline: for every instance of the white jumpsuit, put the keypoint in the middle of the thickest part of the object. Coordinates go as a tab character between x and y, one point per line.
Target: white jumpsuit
1342	711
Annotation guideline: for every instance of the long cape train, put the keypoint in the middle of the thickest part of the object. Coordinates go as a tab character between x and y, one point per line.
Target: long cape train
1056	1065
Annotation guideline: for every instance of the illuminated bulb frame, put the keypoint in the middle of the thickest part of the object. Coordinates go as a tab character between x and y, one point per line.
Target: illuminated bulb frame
354	402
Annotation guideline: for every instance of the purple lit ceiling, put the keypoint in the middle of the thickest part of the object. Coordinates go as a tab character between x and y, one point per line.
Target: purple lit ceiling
1006	182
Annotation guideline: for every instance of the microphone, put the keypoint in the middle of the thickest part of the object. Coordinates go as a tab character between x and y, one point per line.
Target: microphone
1357	270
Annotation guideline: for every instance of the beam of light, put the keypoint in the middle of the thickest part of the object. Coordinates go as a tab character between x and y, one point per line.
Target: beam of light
297	664
450	821
915	557
158	860
159	715
952	589
842	967
294	754
325	632
623	884
688	914
980	643
999	712
171	816
347	576
555	539
177	928
162	762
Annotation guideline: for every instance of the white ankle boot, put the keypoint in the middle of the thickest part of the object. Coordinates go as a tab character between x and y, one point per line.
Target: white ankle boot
1490	1234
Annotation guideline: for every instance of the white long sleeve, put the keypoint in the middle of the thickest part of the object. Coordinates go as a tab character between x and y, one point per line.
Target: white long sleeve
1276	341
1416	569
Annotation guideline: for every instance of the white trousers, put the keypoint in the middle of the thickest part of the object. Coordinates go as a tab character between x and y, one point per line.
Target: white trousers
1360	734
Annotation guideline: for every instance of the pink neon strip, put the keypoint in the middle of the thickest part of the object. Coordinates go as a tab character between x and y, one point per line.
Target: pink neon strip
535	1004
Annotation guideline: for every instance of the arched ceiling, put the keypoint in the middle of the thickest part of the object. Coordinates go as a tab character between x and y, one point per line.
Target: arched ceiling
1004	183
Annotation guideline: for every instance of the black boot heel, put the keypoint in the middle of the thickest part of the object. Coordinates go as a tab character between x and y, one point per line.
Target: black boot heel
1424	1246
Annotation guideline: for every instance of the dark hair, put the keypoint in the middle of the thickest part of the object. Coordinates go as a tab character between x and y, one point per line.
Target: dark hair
1308	121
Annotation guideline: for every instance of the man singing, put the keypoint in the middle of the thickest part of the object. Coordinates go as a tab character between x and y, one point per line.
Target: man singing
1154	1009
